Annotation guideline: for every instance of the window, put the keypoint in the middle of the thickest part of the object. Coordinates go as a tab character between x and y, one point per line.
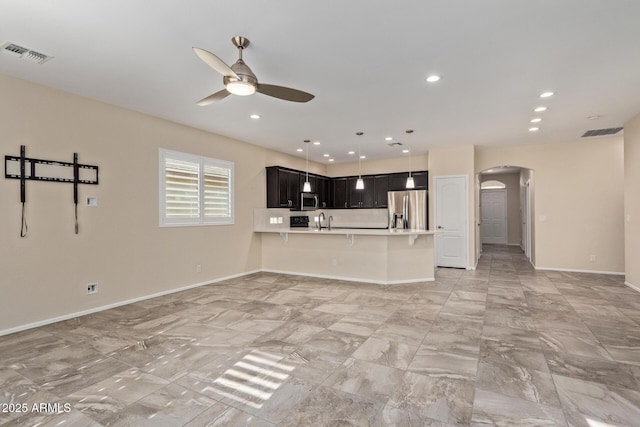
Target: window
195	190
492	185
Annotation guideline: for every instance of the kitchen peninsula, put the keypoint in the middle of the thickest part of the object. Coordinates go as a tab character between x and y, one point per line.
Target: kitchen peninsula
373	255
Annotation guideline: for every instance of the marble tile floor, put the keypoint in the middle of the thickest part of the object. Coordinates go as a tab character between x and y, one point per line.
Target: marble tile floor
503	345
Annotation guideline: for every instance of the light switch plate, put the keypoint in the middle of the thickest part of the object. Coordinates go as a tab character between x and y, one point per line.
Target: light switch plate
92	201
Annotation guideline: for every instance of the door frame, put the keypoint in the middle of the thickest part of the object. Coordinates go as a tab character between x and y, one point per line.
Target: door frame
526	220
502	191
465	179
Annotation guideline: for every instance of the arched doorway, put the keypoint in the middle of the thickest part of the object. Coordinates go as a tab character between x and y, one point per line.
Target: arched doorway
506	191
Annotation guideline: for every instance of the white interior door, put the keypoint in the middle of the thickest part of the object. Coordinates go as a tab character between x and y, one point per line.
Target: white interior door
493	213
452	220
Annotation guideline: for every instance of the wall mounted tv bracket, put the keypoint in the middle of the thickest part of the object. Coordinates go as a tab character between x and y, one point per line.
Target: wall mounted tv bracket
25	168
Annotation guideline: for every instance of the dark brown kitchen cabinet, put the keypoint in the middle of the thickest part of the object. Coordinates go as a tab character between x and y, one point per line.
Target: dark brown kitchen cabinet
398	181
323	191
340	194
380	188
283	188
421	180
360	198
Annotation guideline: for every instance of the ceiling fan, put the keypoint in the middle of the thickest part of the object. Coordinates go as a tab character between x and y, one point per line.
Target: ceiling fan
240	80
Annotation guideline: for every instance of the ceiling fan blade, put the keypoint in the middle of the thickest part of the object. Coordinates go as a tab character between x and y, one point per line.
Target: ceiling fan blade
285	93
213	98
216	63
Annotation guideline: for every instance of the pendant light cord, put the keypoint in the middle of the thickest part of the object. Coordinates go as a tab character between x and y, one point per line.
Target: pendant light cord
409	132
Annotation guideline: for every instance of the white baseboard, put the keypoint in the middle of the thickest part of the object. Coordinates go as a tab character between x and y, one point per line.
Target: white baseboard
570	270
351	279
634	287
117	304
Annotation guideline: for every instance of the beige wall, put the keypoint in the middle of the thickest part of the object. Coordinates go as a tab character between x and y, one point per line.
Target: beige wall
120	244
578	200
455	161
370	167
632	200
514	223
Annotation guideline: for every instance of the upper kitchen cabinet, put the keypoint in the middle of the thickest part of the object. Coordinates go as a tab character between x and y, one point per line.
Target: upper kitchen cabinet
380	188
323	191
283	188
340	193
398	181
361	198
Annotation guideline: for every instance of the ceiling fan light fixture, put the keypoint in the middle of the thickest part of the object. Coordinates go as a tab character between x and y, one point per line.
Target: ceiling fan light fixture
241	88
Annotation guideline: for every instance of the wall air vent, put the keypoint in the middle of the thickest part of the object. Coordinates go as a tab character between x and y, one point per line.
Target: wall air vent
24	53
393	144
601	132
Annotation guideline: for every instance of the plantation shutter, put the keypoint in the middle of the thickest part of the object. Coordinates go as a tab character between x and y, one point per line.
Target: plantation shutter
217	200
181	189
195	190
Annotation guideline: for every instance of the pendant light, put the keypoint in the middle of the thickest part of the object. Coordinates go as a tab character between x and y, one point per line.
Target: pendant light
306	188
359	182
410	183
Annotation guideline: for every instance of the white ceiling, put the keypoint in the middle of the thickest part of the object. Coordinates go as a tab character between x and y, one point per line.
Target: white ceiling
366	62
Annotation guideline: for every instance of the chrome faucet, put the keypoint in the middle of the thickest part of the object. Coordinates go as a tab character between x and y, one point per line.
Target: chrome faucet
320	218
329	222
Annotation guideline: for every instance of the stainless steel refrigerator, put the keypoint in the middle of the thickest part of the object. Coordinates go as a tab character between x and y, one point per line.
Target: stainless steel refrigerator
407	209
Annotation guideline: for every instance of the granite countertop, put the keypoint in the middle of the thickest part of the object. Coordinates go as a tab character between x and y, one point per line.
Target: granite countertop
344	231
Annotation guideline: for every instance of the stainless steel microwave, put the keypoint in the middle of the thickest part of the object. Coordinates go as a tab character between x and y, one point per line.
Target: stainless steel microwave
308	201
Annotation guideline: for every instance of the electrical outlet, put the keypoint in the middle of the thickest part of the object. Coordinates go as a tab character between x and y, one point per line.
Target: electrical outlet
334	262
593	258
198	268
92	288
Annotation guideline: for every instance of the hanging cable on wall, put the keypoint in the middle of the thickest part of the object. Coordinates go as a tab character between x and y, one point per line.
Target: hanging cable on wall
76	178
24	229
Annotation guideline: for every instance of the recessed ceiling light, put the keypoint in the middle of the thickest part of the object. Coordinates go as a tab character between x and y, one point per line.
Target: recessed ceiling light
331	160
547	94
255	116
536	120
316	143
534	129
363	157
352	152
540	109
299	150
405	151
388	138
433	78
326	155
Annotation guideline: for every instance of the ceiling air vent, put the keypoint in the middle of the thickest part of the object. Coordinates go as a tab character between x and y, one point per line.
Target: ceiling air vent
393	144
24	53
601	132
